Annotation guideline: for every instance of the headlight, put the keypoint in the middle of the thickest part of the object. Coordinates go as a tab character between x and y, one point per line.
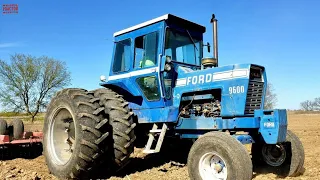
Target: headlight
103	78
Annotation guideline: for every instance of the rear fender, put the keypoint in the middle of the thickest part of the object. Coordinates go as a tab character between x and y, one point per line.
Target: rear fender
121	85
132	96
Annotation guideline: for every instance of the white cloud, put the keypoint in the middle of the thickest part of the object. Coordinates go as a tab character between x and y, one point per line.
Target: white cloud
8	45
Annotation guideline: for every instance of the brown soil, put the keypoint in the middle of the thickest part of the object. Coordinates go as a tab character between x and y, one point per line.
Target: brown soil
171	164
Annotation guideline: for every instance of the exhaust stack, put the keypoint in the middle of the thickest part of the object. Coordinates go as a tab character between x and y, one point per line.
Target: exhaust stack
215	38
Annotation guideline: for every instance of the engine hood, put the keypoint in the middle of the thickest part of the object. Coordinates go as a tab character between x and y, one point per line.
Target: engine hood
190	77
233	81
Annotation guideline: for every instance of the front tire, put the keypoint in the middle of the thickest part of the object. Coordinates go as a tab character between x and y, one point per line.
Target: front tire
218	155
285	159
75	134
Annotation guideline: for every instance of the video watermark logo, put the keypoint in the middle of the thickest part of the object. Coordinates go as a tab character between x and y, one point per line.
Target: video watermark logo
10	9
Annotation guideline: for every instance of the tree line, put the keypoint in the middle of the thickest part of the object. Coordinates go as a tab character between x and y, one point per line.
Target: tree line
311	105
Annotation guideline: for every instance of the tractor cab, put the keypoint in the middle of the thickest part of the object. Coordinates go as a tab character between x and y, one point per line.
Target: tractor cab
144	56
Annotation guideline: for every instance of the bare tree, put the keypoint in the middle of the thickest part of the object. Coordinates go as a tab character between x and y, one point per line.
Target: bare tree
27	83
270	98
307	105
316	104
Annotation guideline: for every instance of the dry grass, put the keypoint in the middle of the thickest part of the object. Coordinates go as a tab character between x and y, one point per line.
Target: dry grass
23	116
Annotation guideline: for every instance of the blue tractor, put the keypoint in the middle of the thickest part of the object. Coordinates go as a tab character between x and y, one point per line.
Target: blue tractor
160	85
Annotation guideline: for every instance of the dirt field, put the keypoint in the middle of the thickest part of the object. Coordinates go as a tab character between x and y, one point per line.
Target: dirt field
171	164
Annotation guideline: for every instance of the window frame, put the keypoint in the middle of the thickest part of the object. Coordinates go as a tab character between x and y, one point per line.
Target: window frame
114	58
157	50
168	28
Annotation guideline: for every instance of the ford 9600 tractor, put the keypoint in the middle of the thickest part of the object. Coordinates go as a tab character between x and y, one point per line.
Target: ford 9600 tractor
160	85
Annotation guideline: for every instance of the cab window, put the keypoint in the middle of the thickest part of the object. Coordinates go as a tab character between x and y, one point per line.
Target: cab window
183	47
122	56
145	48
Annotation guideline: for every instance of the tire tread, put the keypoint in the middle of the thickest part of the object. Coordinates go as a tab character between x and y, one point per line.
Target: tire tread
93	145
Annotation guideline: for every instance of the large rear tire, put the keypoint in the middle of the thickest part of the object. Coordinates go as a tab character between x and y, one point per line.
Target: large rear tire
285	159
217	155
121	121
75	134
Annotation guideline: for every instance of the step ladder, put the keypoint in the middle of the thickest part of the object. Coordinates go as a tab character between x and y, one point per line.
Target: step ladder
154	131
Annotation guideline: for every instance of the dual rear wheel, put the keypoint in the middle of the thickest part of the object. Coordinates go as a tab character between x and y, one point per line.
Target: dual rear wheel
85	129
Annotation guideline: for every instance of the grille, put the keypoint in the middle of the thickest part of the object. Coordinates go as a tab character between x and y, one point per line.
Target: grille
254	96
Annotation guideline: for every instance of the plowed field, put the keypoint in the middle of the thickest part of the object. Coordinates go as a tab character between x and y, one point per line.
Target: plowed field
171	163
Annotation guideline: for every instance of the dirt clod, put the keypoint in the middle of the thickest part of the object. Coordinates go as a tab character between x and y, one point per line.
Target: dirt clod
10	176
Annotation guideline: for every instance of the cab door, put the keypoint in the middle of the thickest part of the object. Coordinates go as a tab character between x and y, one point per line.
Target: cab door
145	74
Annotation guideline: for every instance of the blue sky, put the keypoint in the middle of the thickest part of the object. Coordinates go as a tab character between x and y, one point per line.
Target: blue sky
281	35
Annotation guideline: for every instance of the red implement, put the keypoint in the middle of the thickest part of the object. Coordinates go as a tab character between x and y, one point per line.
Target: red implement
28	146
28	137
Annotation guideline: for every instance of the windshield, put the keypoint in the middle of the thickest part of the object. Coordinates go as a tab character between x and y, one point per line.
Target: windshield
182	47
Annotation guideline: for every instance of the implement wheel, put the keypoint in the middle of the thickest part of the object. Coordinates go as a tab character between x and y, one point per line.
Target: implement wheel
285	159
3	127
217	155
17	128
75	134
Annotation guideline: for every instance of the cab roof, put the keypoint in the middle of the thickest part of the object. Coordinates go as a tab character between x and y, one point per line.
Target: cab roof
170	19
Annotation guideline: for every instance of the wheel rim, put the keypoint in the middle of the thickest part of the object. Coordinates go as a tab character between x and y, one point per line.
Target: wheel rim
212	166
274	155
61	136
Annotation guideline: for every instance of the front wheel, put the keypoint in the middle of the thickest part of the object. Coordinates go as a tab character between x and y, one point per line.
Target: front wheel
285	159
217	155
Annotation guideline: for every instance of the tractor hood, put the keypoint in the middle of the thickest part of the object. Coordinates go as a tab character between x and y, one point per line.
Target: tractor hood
233	81
189	77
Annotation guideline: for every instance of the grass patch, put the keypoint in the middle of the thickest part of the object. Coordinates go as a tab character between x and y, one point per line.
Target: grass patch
12	114
23	116
28	119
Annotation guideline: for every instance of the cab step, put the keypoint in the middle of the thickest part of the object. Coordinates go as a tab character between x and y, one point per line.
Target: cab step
154	131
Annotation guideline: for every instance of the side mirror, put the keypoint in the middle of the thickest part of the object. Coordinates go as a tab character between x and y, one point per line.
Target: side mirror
208	47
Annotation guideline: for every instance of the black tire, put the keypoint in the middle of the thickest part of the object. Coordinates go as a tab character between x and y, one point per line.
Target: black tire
17	128
234	154
292	165
90	133
121	121
3	127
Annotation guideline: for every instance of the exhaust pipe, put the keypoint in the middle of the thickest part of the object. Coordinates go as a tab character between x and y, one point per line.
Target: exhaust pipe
215	38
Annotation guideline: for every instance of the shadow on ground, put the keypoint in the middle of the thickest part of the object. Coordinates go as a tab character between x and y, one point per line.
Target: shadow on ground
174	152
25	151
281	173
